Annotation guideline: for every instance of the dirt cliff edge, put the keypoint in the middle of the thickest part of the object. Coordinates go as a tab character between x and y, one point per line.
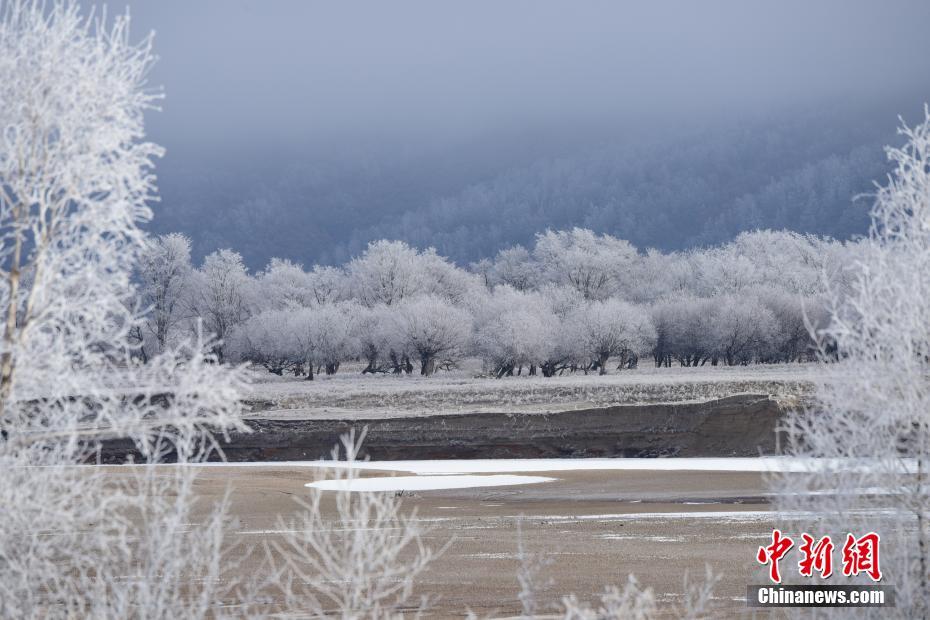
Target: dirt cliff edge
741	425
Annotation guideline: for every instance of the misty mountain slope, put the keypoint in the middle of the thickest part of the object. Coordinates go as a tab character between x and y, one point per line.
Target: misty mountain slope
672	196
297	204
671	192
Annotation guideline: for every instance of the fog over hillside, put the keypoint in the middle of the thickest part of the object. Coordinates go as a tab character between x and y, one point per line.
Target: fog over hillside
305	130
703	186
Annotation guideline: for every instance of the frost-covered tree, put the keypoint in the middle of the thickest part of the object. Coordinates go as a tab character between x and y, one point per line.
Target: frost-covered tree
565	347
694	297
221	295
742	326
303	342
684	328
386	273
483	269
268	338
435	331
164	274
721	271
328	284
870	420
795	316
441	278
75	175
595	265
309	339
332	327
390	271
614	328
513	329
784	259
374	337
657	276
563	301
284	285
516	268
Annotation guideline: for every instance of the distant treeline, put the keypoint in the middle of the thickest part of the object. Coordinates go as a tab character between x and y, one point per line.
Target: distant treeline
574	301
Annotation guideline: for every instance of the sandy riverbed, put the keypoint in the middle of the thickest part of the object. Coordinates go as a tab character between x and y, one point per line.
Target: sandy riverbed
597	526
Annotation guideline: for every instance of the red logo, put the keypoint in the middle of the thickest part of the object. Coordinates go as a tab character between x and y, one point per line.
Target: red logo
773	553
817	557
860	555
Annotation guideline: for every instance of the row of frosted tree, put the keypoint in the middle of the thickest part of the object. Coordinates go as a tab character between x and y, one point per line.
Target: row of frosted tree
576	301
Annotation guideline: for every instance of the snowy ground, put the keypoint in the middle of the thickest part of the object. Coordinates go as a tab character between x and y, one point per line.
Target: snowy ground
350	394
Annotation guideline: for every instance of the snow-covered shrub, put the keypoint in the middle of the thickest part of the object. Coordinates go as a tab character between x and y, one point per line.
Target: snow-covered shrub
75	173
364	563
632	602
870	420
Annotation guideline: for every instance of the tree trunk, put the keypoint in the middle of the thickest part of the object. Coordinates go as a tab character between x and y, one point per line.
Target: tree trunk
372	364
9	330
504	369
427	364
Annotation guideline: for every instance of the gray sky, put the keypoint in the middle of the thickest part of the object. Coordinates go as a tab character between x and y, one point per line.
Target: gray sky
321	72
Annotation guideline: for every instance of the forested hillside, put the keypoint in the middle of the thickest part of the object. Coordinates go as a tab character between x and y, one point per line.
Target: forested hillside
659	188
